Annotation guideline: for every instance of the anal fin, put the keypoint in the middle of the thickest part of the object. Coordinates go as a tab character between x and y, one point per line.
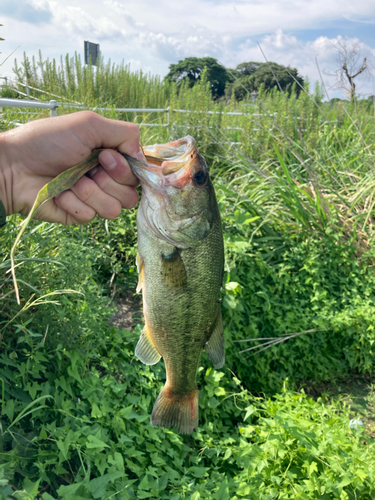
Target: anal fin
140	269
215	346
145	350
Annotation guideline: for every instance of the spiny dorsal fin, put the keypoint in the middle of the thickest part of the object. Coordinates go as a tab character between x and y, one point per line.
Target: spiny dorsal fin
145	350
173	269
215	346
140	269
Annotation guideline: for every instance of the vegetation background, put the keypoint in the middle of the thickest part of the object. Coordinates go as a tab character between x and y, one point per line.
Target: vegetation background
294	178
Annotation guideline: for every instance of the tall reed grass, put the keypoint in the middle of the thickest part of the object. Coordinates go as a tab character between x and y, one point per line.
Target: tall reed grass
116	86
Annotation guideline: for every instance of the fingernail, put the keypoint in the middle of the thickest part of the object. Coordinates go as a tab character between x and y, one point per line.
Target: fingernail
93	171
108	160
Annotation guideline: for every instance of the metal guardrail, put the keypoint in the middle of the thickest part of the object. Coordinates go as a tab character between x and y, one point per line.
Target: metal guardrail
32	104
12	84
21	103
53	105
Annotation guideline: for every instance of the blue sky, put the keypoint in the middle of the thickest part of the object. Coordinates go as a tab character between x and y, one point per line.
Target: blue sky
152	34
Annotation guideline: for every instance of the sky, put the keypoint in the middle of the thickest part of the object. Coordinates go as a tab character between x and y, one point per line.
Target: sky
150	35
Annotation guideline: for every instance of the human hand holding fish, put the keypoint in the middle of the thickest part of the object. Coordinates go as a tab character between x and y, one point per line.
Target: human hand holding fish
34	154
180	263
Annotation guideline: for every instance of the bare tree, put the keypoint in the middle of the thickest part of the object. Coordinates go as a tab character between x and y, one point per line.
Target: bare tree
349	66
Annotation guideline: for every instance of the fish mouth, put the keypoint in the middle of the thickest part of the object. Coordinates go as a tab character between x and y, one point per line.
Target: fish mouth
167	164
173	156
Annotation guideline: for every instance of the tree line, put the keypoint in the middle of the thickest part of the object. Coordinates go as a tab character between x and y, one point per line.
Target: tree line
241	81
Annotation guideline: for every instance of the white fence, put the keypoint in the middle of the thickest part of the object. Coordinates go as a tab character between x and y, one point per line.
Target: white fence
21	103
53	105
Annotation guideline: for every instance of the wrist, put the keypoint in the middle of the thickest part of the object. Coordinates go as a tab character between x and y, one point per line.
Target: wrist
6	177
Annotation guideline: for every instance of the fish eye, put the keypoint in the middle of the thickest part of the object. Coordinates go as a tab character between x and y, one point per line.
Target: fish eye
200	178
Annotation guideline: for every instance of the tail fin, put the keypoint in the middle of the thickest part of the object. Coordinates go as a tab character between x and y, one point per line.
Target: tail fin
180	412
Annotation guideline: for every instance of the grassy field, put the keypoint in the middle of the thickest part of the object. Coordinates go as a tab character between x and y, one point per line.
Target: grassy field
295	181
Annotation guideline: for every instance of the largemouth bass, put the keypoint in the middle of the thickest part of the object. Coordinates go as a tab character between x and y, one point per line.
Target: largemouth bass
180	263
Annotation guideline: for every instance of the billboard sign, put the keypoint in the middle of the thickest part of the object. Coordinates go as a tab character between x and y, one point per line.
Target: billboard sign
92	49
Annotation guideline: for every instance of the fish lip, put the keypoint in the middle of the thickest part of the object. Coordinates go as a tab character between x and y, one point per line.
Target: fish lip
164	160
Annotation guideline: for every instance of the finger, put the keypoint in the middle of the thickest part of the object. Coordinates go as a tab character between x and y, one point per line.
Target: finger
90	193
78	212
126	195
117	167
100	132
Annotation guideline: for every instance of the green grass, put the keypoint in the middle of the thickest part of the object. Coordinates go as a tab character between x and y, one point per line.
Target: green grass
296	198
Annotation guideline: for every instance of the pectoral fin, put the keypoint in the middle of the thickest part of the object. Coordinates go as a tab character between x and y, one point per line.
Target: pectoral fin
215	346
145	350
140	269
173	269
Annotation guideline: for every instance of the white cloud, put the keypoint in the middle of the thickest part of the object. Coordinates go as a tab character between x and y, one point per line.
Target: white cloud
200	43
239	17
281	41
78	22
115	6
151	35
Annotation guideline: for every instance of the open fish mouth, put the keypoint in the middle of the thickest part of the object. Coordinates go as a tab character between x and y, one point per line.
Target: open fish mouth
158	153
170	163
172	156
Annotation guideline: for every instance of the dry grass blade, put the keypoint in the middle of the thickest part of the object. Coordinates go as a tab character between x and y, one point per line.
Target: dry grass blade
40	300
61	183
273	340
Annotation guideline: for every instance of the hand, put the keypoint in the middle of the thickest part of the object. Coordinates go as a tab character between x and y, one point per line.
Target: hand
34	154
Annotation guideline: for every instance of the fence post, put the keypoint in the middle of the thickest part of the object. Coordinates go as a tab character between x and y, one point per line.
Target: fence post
54	107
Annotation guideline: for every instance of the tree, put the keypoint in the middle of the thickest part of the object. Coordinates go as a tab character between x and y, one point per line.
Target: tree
350	65
248	68
191	69
250	75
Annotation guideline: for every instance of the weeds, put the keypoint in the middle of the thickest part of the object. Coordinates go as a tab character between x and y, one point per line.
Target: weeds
297	208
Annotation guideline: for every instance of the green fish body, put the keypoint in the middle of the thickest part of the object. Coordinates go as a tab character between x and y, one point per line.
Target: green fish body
180	264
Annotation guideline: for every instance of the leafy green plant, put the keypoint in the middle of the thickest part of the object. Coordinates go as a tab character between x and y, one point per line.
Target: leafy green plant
93	439
297	211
